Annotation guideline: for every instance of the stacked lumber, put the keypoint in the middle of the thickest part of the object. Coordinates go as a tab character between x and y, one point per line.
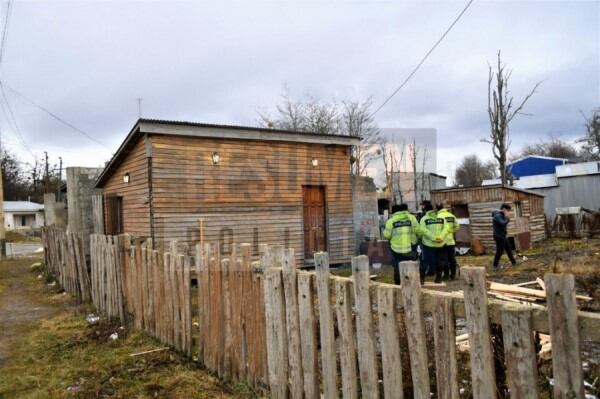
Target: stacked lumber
521	294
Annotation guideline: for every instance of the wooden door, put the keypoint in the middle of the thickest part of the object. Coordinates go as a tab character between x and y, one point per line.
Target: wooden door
315	230
114	221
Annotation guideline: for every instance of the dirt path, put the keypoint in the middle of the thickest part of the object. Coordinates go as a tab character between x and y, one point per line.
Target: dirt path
20	301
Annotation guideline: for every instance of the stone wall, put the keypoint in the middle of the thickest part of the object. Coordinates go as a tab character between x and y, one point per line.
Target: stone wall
364	203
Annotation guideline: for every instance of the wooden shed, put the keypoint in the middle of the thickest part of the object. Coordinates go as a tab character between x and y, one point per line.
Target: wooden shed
194	181
474	206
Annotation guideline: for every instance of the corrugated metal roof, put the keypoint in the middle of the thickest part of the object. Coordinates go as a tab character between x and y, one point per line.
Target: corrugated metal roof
536	181
22	206
578	169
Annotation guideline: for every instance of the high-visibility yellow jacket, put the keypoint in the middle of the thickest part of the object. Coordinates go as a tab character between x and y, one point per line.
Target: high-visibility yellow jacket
435	233
402	229
451	226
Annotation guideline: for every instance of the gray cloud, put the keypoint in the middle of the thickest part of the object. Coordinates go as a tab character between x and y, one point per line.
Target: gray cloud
221	61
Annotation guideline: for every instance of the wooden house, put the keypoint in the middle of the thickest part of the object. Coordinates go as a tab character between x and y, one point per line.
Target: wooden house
474	206
196	182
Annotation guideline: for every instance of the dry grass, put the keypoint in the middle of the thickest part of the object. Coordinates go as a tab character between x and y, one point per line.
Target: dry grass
62	356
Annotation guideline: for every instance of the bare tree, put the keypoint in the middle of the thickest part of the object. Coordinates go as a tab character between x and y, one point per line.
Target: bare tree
501	112
356	120
388	158
553	147
591	142
352	118
472	171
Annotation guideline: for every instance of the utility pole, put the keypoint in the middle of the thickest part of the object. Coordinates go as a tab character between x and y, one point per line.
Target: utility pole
59	179
2	231
47	175
139	100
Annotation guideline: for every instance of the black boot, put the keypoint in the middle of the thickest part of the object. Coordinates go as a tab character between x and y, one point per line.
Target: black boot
438	278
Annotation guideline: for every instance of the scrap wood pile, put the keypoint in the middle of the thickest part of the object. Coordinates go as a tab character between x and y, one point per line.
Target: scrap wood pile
520	293
529	293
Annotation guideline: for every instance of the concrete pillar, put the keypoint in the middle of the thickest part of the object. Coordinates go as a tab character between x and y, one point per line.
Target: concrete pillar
54	212
80	189
365	211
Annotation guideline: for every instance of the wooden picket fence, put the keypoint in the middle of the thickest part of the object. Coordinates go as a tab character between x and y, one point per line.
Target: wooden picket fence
65	258
312	334
356	324
107	271
154	286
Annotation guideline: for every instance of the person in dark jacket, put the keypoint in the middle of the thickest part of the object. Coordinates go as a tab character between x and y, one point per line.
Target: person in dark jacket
501	219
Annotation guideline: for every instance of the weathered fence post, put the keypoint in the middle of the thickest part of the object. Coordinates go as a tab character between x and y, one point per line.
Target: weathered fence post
415	329
276	330
367	361
564	333
328	354
345	323
478	327
390	343
445	349
308	338
292	324
519	351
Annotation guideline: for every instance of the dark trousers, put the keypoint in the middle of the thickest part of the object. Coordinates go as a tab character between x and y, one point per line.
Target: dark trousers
400	258
502	245
429	261
447	261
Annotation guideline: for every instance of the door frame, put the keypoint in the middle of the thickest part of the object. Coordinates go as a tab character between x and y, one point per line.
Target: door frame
325	215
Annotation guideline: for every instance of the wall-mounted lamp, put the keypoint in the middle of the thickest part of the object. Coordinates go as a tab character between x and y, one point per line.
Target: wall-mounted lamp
314	162
126	178
216	158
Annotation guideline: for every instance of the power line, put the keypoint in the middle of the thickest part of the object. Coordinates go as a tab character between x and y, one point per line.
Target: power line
52	114
424	58
5	30
11	118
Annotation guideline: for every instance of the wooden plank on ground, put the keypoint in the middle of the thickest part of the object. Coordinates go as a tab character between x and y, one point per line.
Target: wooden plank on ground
564	333
519	352
482	361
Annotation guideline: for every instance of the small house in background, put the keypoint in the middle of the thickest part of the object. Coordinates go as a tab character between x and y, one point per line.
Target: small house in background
196	182
23	215
473	207
532	165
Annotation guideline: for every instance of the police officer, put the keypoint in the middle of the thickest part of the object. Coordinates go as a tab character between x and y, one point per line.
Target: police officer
447	255
432	240
402	229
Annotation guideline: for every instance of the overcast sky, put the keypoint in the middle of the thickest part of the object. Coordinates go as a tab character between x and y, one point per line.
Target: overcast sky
220	62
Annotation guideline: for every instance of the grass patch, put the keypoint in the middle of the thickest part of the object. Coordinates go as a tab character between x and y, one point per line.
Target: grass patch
13	236
64	357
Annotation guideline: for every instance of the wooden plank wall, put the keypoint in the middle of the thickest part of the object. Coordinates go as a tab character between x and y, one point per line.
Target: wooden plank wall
136	209
253	194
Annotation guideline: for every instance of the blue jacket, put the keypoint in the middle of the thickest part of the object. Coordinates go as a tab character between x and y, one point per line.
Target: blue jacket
500	223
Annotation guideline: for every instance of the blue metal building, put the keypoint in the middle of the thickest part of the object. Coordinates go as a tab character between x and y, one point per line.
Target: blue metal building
534	165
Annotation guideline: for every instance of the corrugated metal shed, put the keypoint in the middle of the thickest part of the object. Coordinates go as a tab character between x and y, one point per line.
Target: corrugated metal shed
537	181
578	169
